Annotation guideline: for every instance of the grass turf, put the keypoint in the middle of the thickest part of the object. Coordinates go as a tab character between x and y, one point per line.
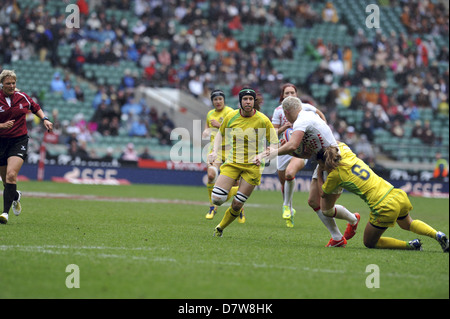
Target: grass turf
125	248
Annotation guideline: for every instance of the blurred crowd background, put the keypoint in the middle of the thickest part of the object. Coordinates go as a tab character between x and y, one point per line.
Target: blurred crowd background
383	90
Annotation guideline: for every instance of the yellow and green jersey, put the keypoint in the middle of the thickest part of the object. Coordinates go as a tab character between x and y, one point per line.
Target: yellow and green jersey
245	137
357	177
219	116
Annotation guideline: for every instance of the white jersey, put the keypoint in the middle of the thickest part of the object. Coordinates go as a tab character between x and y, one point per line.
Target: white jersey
279	118
318	134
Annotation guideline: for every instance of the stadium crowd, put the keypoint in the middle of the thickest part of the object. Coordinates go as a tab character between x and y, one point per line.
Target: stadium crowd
201	53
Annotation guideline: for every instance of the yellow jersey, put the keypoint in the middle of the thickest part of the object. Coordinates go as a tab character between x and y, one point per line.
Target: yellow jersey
357	177
245	137
219	117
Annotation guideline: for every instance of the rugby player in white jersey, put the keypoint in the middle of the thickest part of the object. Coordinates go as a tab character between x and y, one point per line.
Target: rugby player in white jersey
287	165
315	134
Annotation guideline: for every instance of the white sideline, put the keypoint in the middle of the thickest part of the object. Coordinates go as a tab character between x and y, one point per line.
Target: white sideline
122	199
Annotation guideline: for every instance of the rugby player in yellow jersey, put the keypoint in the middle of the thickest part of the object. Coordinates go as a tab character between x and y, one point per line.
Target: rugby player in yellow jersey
213	120
387	204
246	131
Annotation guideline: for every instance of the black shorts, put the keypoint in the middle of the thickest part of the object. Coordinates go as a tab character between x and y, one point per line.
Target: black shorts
15	146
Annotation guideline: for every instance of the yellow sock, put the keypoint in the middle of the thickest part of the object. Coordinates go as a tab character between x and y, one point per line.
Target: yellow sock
421	228
209	187
391	243
228	218
233	192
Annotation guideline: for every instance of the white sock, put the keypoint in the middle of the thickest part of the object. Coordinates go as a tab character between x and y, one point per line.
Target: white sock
344	213
330	224
289	186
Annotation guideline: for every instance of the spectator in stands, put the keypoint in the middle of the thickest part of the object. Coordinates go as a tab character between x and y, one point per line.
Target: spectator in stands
372	95
196	86
397	129
383	98
57	85
69	93
411	110
368	125
106	55
79	93
114	126
427	136
132	106
441	167
146	154
443	104
235	23
164	57
129	153
78	150
347	59
306	16
336	65
417	130
149	72
138	127
321	48
109	155
221	43
350	137
165	127
93	22
128	80
329	13
93	57
84	135
77	60
103	126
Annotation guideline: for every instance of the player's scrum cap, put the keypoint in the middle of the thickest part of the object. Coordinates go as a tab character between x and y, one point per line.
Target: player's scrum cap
216	93
246	91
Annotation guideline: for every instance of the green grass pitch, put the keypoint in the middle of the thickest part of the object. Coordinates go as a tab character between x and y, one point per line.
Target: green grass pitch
153	241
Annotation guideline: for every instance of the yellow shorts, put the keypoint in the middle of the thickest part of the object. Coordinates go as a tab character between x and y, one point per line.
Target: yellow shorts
249	172
396	205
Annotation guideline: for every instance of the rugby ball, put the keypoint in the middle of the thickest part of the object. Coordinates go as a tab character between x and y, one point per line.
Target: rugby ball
287	136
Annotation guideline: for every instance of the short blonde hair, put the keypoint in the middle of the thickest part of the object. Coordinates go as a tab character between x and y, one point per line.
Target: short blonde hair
6	73
291	103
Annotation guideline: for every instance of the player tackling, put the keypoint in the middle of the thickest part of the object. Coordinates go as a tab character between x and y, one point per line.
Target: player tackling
315	134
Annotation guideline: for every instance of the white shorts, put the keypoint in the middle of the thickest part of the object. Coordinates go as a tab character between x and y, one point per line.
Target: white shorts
338	190
283	161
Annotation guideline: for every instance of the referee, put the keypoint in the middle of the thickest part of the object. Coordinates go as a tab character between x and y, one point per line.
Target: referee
14	106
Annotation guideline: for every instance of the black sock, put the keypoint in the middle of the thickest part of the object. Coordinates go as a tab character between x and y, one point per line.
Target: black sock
9	193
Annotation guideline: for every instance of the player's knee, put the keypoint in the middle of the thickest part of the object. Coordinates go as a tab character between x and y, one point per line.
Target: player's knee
369	243
219	196
212	172
289	175
329	212
239	201
11	177
313	203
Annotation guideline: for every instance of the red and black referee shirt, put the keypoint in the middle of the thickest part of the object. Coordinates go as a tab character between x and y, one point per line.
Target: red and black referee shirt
15	107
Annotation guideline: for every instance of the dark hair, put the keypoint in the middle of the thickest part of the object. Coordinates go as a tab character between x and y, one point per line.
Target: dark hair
249	91
284	88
